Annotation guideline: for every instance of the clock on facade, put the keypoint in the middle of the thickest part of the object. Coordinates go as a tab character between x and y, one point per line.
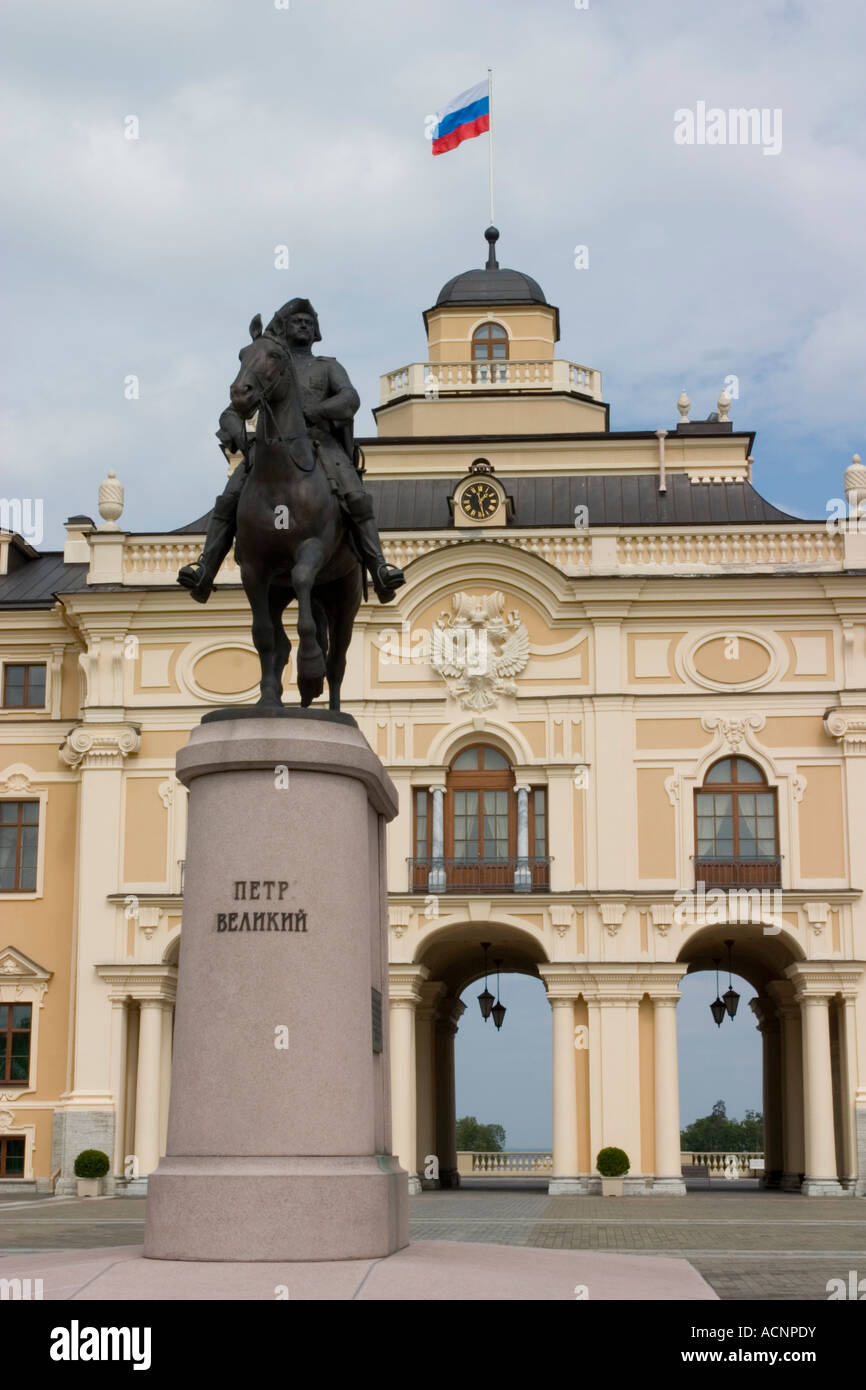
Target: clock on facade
479	500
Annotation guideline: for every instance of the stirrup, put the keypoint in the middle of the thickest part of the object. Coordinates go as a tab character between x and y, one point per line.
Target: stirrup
386	582
198	585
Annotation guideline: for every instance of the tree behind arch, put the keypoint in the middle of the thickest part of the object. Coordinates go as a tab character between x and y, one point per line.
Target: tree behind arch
473	1137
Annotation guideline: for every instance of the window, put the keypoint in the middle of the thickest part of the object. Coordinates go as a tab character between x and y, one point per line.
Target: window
19	841
11	1158
422	825
24	686
490	343
538	822
15	1043
736	826
479	845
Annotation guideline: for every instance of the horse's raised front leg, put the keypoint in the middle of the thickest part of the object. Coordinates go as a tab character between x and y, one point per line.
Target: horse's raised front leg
311	658
270	693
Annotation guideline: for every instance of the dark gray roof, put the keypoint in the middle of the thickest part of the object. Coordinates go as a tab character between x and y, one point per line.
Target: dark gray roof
407	504
613	499
193	528
491	285
34	583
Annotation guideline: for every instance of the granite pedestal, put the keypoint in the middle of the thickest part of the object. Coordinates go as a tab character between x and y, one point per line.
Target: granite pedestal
279	1124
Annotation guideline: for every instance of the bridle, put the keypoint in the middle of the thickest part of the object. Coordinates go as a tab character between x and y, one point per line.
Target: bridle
263	403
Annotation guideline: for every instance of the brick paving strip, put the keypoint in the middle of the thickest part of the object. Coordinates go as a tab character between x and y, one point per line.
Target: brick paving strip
748	1246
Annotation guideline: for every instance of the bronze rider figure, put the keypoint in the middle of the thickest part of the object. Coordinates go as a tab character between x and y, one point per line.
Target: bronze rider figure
329	402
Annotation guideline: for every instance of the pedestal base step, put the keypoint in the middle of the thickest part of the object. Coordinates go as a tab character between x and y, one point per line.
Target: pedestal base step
425	1270
276	1209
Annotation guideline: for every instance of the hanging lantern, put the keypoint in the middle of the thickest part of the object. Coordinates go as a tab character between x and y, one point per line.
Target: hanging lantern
498	1010
717	1008
485	999
730	996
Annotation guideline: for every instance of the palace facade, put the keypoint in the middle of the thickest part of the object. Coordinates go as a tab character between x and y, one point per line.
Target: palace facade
622	697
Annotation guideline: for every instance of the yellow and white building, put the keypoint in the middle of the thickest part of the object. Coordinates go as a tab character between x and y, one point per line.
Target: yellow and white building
615	673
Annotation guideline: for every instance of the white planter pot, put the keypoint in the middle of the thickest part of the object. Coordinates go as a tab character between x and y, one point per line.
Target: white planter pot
611	1187
89	1187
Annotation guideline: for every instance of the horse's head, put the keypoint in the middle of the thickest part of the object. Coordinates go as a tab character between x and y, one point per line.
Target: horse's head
263	374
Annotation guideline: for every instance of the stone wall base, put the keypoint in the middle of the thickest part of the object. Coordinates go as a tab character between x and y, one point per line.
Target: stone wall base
589	1185
73	1130
823	1187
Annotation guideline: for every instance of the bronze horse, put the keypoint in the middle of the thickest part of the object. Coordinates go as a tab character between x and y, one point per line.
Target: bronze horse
292	541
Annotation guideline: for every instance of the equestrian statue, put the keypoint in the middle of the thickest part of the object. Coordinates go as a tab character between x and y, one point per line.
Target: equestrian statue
295	505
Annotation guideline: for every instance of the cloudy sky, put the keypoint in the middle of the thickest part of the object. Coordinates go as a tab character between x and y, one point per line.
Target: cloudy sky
303	126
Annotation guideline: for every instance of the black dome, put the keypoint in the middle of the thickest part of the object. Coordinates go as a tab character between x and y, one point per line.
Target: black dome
491	285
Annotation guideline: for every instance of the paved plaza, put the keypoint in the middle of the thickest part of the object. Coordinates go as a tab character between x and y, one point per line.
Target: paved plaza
747	1245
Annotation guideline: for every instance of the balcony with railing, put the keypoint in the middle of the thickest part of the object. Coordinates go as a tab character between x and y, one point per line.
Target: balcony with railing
431	379
743	872
511	875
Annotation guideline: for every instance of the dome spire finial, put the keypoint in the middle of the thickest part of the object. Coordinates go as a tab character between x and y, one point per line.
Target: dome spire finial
492	236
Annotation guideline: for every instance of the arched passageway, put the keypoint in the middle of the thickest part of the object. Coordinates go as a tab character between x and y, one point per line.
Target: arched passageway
426	1008
804	1013
504	1076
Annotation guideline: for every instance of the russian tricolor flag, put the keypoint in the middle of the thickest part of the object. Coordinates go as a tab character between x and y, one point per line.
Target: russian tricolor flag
463	118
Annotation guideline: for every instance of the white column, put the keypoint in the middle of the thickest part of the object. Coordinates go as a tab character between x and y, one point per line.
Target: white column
131	1084
522	873
147	1089
849	1072
668	1164
769	1026
118	1078
425	1066
403	1102
793	1152
620	1078
165	1073
436	878
450	1011
773	1155
86	1114
821	1178
596	1114
565	1175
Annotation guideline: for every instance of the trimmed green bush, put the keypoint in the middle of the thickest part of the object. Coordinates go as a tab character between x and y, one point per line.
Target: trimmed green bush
92	1163
612	1163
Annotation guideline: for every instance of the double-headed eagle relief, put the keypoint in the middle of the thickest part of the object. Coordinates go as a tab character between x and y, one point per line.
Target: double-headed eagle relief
478	649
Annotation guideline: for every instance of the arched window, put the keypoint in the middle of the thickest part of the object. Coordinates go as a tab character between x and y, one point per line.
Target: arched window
490	834
736	826
490	343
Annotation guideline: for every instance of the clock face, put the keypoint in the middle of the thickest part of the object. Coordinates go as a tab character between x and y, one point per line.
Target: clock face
479	501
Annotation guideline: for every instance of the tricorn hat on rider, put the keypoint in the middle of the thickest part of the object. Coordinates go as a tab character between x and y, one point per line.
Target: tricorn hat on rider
277	324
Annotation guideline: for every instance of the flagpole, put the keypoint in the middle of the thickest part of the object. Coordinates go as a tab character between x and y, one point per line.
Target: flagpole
490	96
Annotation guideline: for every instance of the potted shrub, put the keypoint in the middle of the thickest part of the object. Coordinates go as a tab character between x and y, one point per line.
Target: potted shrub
91	1166
613	1165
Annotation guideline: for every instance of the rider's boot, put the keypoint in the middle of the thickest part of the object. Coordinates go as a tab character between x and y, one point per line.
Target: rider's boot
199	577
386	578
